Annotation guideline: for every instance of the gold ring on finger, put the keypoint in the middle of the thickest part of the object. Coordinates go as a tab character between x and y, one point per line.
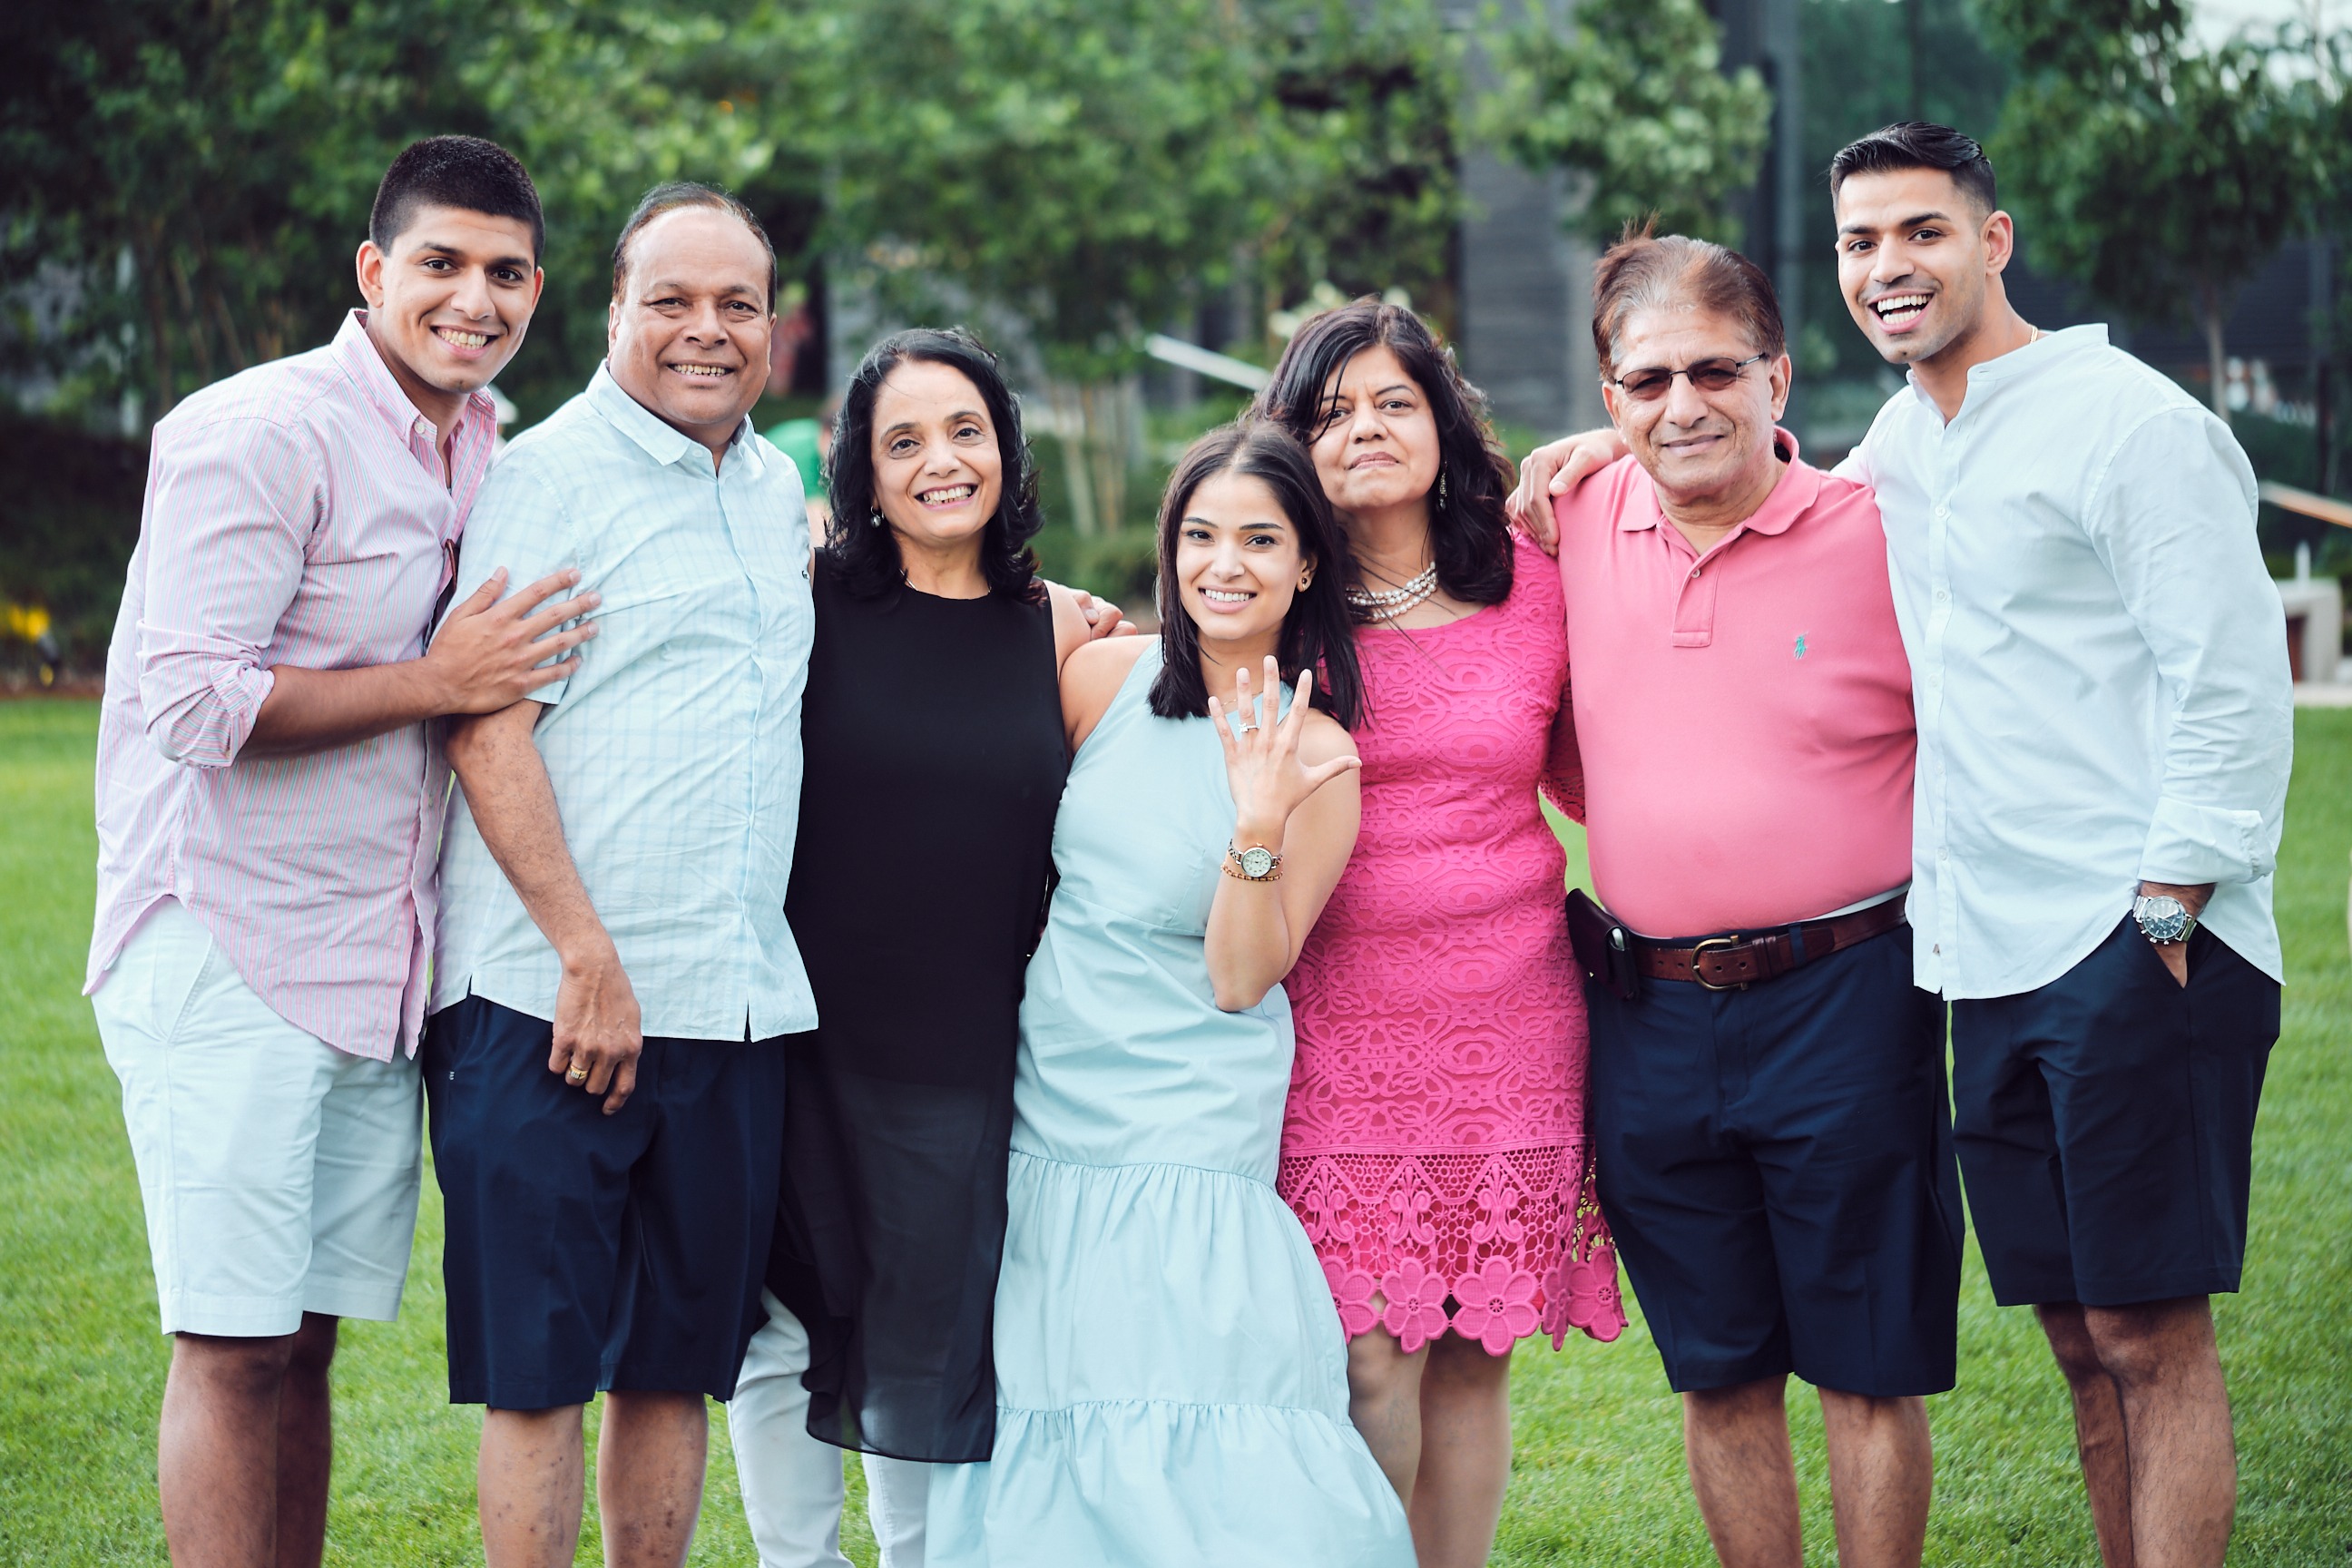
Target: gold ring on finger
577	1075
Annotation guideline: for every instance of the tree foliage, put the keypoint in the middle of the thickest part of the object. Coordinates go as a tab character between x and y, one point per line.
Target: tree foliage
2161	173
1631	95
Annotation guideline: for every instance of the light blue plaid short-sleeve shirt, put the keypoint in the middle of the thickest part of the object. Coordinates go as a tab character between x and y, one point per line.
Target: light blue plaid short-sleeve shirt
674	748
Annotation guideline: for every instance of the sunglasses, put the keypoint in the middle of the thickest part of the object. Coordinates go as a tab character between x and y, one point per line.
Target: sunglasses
1707	375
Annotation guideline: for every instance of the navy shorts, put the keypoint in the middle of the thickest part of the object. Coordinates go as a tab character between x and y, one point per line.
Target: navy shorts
1776	1165
587	1251
2106	1124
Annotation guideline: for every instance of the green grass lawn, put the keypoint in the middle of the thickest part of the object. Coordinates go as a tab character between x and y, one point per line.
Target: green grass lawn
1599	1475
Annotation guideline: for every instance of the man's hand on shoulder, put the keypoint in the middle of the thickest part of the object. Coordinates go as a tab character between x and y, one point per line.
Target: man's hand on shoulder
1552	471
488	654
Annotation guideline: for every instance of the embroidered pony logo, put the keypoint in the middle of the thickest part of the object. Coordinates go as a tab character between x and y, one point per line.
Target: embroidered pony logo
1801	645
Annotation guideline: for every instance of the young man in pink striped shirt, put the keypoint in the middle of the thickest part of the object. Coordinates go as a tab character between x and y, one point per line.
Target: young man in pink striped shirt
1768	1094
269	799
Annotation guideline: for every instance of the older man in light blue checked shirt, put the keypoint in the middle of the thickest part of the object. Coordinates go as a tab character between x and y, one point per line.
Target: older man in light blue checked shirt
603	1065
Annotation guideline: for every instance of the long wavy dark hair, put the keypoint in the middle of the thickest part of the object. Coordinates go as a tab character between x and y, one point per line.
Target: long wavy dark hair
1320	631
1469	536
866	556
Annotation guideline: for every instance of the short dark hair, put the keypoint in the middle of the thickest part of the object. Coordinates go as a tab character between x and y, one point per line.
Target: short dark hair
672	195
1644	271
1320	631
1469	537
866	558
463	172
1915	144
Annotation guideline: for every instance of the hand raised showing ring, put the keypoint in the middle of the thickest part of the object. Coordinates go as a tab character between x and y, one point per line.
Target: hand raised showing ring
1262	764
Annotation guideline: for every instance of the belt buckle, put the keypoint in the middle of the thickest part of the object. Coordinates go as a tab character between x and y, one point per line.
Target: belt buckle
1699	974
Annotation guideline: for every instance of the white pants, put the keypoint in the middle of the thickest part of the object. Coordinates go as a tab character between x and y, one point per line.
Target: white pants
791	1483
279	1174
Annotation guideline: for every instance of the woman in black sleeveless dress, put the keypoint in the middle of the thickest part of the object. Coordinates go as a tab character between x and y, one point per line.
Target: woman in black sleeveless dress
933	733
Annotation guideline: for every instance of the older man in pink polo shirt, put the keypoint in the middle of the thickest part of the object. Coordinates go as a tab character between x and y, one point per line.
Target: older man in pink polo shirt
1767	1085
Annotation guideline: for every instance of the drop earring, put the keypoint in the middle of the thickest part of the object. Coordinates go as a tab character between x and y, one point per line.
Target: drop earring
874	518
1441	489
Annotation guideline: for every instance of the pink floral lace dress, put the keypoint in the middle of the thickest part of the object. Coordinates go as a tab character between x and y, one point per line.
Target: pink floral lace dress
1435	1143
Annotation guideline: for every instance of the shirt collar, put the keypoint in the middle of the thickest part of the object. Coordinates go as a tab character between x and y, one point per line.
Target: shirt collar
2042	353
361	359
662	441
1800	483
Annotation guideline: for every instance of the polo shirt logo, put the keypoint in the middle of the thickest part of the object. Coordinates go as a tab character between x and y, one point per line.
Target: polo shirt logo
1801	645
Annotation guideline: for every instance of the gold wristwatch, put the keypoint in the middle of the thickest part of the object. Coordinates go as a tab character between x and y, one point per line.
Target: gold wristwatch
1254	864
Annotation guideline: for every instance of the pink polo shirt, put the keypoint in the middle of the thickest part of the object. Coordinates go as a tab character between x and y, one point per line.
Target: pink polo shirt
1744	717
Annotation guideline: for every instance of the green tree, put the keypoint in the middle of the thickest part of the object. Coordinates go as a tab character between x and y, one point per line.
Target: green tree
1369	102
1631	95
1077	165
194	175
2159	174
1943	70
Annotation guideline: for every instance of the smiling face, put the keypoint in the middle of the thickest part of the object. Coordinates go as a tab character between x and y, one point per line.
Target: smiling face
939	472
1377	446
1696	444
687	332
1915	256
1239	564
448	302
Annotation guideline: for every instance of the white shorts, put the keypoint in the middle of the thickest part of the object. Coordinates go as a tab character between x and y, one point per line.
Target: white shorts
279	1174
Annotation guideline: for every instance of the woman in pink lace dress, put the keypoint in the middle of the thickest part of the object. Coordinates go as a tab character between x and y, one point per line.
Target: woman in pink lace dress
1434	1144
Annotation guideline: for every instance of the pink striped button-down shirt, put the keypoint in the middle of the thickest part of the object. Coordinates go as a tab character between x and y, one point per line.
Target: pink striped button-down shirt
297	514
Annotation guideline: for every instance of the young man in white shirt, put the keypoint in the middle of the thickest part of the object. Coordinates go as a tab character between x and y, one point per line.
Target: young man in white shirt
2106	727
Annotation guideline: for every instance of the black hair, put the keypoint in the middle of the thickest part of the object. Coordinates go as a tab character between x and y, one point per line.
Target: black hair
1320	631
1915	144
463	172
865	555
1469	537
668	197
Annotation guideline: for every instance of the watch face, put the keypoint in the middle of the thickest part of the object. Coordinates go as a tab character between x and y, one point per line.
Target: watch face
1256	861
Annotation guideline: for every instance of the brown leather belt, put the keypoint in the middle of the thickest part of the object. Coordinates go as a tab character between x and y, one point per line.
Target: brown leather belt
1730	963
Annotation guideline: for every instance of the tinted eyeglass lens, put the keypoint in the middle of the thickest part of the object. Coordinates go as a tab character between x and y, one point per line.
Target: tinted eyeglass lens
1707	375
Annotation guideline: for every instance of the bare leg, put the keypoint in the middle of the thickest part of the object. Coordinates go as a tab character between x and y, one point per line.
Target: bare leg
1737	1441
530	1483
2184	1461
1384	1402
216	1452
1881	1477
1465	1453
306	1445
2099	1438
649	1463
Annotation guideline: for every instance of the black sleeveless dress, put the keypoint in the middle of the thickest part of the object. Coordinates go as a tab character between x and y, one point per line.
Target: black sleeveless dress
932	730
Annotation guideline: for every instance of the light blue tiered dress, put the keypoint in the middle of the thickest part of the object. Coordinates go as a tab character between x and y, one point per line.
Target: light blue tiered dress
1171	1379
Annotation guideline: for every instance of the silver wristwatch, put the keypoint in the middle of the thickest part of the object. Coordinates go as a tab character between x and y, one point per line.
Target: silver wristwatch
2163	920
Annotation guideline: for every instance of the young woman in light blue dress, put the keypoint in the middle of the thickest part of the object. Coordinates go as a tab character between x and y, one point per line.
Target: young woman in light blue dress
1171	1377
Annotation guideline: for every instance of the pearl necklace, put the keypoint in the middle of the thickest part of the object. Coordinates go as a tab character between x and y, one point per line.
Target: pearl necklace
1397	600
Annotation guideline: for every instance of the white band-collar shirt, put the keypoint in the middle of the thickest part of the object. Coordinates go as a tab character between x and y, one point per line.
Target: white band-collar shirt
2098	662
674	748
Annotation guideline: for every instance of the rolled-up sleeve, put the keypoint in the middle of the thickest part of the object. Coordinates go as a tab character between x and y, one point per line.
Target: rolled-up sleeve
230	512
2174	520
